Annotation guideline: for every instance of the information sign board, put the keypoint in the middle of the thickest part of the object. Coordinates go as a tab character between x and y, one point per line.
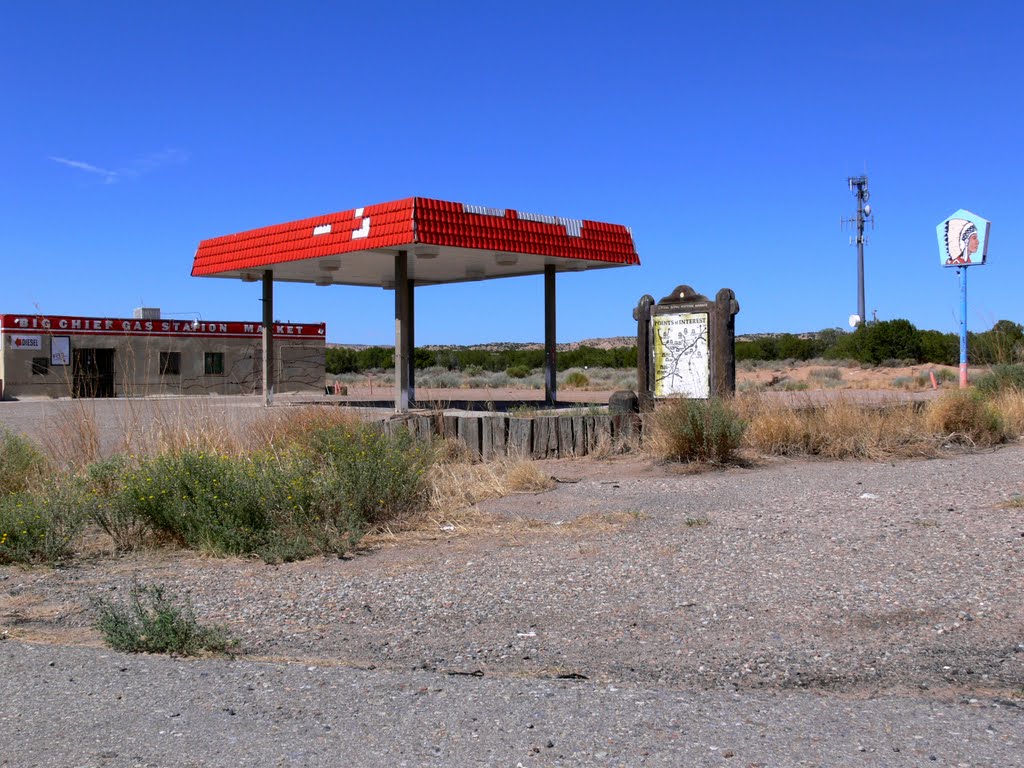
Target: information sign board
681	355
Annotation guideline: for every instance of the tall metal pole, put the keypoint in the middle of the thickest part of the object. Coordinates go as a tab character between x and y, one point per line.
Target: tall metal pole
268	337
859	186
962	272
861	310
403	338
550	343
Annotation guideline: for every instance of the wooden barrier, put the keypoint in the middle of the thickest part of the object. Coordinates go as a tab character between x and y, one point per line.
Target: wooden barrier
489	436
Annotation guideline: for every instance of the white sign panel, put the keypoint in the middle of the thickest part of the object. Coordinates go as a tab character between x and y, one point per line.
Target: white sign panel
19	341
60	350
681	355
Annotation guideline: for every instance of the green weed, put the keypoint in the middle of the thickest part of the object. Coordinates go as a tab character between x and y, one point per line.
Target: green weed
22	465
152	622
40	526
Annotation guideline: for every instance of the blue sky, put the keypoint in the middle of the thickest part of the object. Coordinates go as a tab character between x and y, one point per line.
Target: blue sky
721	133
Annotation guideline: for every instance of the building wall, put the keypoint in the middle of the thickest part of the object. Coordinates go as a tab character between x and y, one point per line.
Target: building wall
145	364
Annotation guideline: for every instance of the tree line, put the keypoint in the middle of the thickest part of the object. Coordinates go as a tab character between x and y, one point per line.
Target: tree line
888	341
876	343
344	360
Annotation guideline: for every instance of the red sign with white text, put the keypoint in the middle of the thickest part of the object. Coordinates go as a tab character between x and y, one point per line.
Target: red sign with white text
111	326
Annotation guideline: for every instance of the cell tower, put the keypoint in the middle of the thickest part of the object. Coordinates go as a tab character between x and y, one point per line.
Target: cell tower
859	186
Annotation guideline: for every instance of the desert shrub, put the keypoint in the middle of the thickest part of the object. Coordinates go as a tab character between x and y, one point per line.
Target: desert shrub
22	465
695	430
576	380
368	478
518	371
793	385
965	416
220	504
102	503
439	377
1001	378
39	526
832	374
153	622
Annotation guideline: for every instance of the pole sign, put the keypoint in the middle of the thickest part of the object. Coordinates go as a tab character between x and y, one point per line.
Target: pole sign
963	243
963	239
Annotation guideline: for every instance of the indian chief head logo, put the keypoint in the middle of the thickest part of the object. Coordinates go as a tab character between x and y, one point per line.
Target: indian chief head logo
961	241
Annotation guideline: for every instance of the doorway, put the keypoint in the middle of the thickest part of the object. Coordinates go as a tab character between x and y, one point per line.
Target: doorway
92	371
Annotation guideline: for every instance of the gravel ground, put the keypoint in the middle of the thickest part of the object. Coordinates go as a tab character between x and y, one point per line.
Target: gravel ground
791	613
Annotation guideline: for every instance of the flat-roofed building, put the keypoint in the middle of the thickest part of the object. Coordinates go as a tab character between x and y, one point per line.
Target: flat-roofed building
64	356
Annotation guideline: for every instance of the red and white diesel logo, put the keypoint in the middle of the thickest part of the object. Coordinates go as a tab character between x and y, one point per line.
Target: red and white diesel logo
26	342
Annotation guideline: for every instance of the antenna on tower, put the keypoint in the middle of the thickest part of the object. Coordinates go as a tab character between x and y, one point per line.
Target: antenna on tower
859	187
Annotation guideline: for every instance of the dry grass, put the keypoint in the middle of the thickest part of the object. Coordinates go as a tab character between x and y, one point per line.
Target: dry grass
843	429
1009	404
174	426
965	417
75	441
840	429
281	427
456	485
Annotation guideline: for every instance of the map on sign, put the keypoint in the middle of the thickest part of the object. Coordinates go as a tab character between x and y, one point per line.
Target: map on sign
681	355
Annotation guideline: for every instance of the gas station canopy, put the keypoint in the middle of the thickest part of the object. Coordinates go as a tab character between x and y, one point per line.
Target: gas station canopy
445	242
409	243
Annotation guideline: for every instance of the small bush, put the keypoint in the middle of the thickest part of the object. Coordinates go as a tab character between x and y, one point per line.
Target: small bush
965	416
22	465
1000	379
104	504
368	478
696	430
517	371
826	374
152	622
220	504
576	380
39	527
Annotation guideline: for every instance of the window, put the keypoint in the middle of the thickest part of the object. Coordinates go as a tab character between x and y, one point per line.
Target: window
40	366
170	363
213	364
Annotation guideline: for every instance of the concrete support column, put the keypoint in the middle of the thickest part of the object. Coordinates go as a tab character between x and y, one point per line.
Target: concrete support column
550	349
404	321
268	337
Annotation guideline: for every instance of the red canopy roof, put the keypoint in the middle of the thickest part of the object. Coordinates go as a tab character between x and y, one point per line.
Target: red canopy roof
452	242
